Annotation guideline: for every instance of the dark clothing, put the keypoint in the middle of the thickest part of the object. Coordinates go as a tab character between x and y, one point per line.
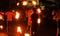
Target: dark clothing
34	18
34	29
5	22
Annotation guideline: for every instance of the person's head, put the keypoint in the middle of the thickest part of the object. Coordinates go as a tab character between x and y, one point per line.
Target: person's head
34	10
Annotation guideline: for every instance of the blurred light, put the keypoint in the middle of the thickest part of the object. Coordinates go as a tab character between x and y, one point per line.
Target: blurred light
39	10
17	15
33	2
42	7
18	4
26	34
2	13
13	10
38	21
1	17
53	12
24	3
1	26
33	32
19	29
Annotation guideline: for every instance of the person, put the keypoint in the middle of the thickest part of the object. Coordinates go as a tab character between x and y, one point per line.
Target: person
34	18
5	23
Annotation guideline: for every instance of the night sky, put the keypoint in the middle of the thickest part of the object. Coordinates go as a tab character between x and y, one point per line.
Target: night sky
4	5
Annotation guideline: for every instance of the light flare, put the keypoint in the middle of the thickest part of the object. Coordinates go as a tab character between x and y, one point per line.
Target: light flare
17	15
34	3
38	21
1	26
39	10
26	34
24	3
19	29
1	17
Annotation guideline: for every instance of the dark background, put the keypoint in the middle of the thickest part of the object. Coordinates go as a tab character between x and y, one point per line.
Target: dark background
4	5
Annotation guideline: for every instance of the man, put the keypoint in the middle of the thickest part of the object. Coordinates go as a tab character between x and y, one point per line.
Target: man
34	18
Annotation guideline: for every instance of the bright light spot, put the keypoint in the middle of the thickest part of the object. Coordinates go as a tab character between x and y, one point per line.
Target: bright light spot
18	4
33	2
24	3
39	10
38	21
1	17
19	29
26	34
1	27
17	15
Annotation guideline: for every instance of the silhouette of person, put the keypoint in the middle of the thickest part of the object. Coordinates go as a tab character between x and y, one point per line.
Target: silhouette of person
34	18
5	23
